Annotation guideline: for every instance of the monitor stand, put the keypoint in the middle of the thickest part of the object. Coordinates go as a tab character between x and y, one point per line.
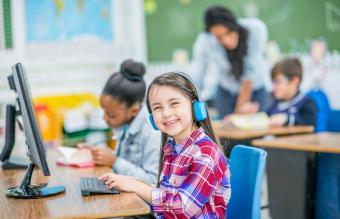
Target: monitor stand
7	161
14	163
28	191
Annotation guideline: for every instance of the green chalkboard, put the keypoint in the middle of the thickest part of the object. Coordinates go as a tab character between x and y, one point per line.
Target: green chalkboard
173	24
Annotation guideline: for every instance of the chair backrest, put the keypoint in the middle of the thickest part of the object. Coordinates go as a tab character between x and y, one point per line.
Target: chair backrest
333	124
247	166
322	105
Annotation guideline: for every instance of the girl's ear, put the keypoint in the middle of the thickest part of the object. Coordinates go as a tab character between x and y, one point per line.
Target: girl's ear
134	109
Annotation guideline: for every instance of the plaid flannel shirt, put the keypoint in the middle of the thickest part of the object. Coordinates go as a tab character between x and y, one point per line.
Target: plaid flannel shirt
195	180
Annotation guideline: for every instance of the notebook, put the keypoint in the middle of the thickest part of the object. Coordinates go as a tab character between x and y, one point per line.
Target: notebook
75	157
250	121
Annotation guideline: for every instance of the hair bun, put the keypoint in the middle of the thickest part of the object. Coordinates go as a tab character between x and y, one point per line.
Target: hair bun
132	70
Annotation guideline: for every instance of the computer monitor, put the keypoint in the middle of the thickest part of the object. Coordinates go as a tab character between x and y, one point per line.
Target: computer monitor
8	161
36	151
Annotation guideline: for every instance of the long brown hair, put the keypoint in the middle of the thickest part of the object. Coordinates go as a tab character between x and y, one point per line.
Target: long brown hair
182	83
219	15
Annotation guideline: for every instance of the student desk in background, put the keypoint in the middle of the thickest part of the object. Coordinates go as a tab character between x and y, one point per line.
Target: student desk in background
292	171
326	142
70	204
240	134
232	136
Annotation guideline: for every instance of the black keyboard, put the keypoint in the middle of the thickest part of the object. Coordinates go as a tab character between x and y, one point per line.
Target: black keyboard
92	185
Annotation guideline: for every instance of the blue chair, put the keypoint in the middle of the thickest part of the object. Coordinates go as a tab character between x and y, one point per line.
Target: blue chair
247	165
333	124
327	195
322	105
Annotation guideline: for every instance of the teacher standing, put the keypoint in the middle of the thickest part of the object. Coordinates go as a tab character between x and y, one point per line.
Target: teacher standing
228	62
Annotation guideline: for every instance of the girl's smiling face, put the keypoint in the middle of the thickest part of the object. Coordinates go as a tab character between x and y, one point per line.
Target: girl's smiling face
172	112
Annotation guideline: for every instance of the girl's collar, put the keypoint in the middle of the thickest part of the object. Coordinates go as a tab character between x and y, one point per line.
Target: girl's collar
172	147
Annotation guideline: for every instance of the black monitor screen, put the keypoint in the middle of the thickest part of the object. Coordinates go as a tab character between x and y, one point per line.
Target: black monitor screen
36	151
31	129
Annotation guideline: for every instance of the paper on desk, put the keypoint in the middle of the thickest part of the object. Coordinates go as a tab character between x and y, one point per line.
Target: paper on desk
75	157
67	151
250	121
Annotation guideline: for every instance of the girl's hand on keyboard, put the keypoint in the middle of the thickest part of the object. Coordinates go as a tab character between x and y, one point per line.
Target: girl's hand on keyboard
128	184
120	182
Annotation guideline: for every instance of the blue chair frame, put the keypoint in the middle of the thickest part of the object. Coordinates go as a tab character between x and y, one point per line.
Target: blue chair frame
333	124
323	107
247	166
327	195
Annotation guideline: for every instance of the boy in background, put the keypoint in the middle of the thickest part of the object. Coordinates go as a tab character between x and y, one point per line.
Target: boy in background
290	106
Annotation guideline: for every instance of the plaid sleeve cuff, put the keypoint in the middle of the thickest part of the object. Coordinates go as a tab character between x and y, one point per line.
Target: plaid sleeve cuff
157	197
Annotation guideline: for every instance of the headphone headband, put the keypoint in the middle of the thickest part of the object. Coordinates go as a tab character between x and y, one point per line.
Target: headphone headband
187	77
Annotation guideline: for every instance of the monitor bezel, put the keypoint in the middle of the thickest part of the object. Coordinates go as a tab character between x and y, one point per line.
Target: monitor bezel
37	151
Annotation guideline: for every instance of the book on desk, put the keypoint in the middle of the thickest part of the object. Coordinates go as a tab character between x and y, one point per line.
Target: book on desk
75	157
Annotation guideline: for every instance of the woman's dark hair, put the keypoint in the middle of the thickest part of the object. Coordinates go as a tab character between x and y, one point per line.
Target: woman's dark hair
185	86
127	85
219	15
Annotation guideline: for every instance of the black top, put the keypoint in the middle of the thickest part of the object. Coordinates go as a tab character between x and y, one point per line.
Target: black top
307	113
301	110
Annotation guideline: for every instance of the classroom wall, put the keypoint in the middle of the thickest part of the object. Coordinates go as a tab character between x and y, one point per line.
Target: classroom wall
73	66
65	68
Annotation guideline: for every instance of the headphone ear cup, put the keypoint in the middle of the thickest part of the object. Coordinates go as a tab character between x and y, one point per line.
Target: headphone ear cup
200	110
152	122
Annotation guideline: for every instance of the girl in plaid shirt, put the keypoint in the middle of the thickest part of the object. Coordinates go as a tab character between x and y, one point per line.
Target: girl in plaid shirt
194	178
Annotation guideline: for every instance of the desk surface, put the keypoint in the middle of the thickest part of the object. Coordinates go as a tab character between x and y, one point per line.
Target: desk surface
240	134
70	204
328	142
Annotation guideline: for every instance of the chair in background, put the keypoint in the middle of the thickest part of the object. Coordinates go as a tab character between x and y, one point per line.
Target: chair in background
333	124
247	167
328	177
322	104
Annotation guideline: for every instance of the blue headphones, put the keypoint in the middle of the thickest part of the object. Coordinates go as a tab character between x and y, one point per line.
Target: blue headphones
199	107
